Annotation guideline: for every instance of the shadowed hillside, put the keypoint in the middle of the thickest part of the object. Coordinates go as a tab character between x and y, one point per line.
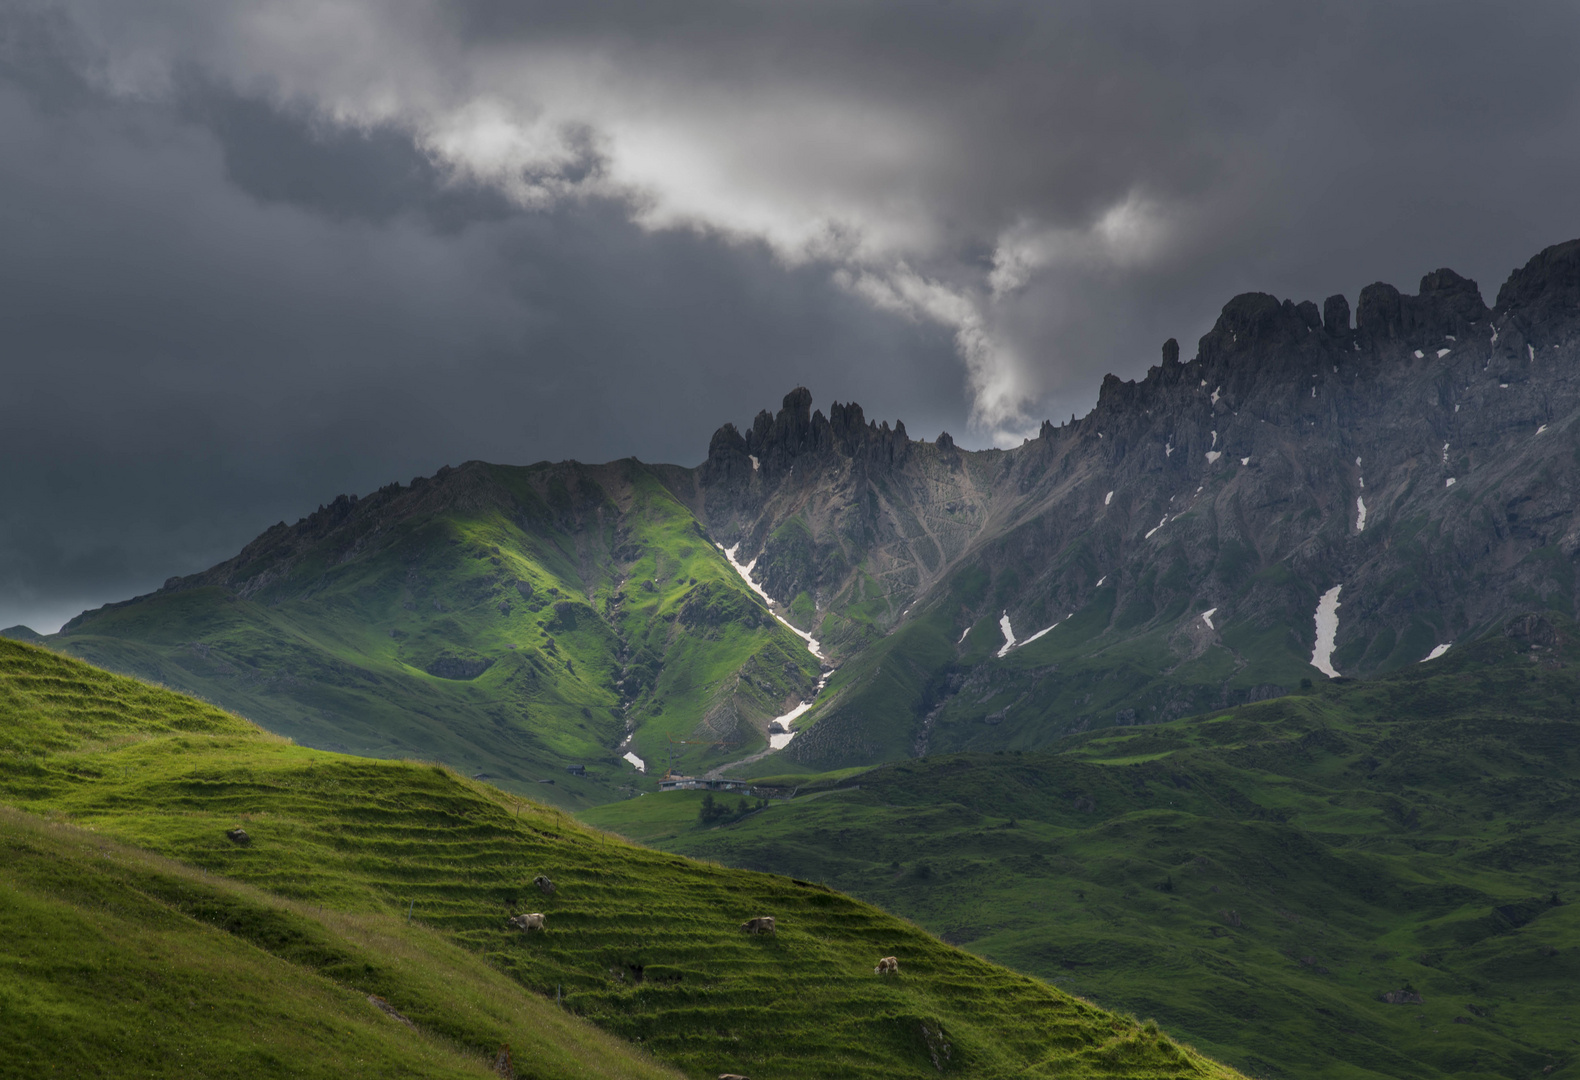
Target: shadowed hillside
1259	879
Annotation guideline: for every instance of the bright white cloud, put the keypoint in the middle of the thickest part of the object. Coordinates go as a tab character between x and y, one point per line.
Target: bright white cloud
1131	232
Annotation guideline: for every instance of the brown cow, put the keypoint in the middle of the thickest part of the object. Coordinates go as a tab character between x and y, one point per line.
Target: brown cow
534	921
889	965
763	924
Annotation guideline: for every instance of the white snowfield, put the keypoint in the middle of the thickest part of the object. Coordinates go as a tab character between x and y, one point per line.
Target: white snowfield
1541	429
755	463
1216	394
1213	456
1442	353
1435	653
1206	617
1100	581
1009	634
779	742
746	575
1449	483
1327	630
1156	527
641	766
1360	504
1245	461
1108	498
1039	633
963	634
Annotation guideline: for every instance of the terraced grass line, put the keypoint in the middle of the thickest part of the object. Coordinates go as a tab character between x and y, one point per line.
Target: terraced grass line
643	944
122	962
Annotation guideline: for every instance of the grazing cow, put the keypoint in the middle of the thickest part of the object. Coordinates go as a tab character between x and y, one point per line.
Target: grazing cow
534	921
763	924
738	1076
889	965
239	836
545	886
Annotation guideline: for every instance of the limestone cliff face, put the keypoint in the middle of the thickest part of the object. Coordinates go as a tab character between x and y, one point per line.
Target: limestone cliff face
1424	459
848	520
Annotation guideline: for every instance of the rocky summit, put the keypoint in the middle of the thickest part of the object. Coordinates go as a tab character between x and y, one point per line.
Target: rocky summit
1306	497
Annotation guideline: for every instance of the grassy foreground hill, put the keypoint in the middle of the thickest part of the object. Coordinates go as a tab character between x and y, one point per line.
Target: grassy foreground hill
1257	878
140	941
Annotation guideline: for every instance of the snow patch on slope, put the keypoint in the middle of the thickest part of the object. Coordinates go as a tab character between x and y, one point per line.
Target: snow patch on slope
1435	653
1009	633
1327	629
779	742
1035	636
746	575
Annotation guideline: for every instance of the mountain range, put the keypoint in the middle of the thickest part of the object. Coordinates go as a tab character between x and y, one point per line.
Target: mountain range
1307	497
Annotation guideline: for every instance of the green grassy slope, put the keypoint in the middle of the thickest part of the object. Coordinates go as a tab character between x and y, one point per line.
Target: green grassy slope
116	960
642	944
506	621
1256	878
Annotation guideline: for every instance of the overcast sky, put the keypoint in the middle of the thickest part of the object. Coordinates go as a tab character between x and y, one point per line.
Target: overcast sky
256	254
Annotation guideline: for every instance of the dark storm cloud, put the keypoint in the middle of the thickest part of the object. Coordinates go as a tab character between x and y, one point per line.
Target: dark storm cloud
258	254
373	175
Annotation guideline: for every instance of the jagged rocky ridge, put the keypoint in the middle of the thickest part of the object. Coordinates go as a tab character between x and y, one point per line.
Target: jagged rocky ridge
1172	545
1424	459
